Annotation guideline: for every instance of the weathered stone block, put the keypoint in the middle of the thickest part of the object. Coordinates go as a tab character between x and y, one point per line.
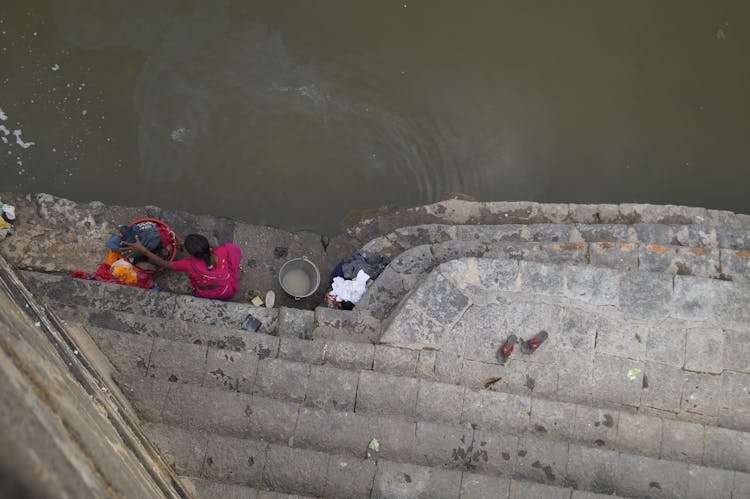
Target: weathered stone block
603	232
621	338
475	486
128	353
555	419
147	396
556	213
297	350
540	460
704	349
695	298
701	393
735	264
395	360
426	364
594	285
709	482
412	327
453	250
736	351
526	378
727	449
682	441
657	258
653	234
208	488
614	255
639	434
612	382
696	236
732	303
349	478
735	392
475	374
489	234
645	295
331	388
448	367
386	394
662	386
408	480
408	237
233	460
296	470
521	490
230	370
439	402
343	433
229	413
596	427
349	355
575	378
592	469
383	295
177	362
445	446
278	378
639	476
184	450
496	411
666	344
500	450
741	485
542	279
415	260
296	323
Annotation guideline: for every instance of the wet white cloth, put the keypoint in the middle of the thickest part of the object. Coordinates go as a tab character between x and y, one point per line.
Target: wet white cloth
350	289
10	211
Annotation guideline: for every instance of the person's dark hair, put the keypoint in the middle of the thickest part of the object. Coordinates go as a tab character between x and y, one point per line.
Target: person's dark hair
198	246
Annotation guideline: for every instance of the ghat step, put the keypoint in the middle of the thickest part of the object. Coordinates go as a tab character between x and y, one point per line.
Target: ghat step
361	390
452	447
262	464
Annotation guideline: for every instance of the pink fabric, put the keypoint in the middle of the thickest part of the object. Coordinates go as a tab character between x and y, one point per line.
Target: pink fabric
219	283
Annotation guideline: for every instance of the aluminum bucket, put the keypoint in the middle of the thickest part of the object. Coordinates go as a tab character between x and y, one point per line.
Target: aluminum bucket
299	278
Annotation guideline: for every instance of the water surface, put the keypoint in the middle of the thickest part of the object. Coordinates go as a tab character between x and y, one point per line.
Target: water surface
295	113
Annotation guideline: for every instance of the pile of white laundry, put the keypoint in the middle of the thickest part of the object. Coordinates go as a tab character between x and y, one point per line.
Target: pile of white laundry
350	290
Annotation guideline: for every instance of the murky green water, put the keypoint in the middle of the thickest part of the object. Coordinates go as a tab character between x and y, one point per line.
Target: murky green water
293	113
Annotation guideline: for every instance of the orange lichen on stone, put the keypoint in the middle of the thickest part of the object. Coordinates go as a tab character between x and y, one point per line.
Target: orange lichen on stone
699	251
569	246
743	253
657	248
627	247
605	245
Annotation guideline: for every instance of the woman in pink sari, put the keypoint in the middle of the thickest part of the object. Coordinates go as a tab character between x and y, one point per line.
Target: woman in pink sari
213	274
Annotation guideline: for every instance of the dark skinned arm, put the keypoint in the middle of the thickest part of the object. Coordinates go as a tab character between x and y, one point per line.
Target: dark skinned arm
129	249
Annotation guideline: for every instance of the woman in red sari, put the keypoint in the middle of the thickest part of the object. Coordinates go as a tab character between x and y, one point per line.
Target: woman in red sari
213	274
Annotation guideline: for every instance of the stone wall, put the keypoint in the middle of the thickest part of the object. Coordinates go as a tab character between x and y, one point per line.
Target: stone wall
64	431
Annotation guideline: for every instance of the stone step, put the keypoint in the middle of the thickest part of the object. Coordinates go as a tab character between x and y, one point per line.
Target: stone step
685	335
409	267
209	489
694	372
461	212
327	475
367	392
67	292
453	448
687	236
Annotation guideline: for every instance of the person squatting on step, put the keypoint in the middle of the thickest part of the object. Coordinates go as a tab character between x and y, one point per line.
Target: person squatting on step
213	273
